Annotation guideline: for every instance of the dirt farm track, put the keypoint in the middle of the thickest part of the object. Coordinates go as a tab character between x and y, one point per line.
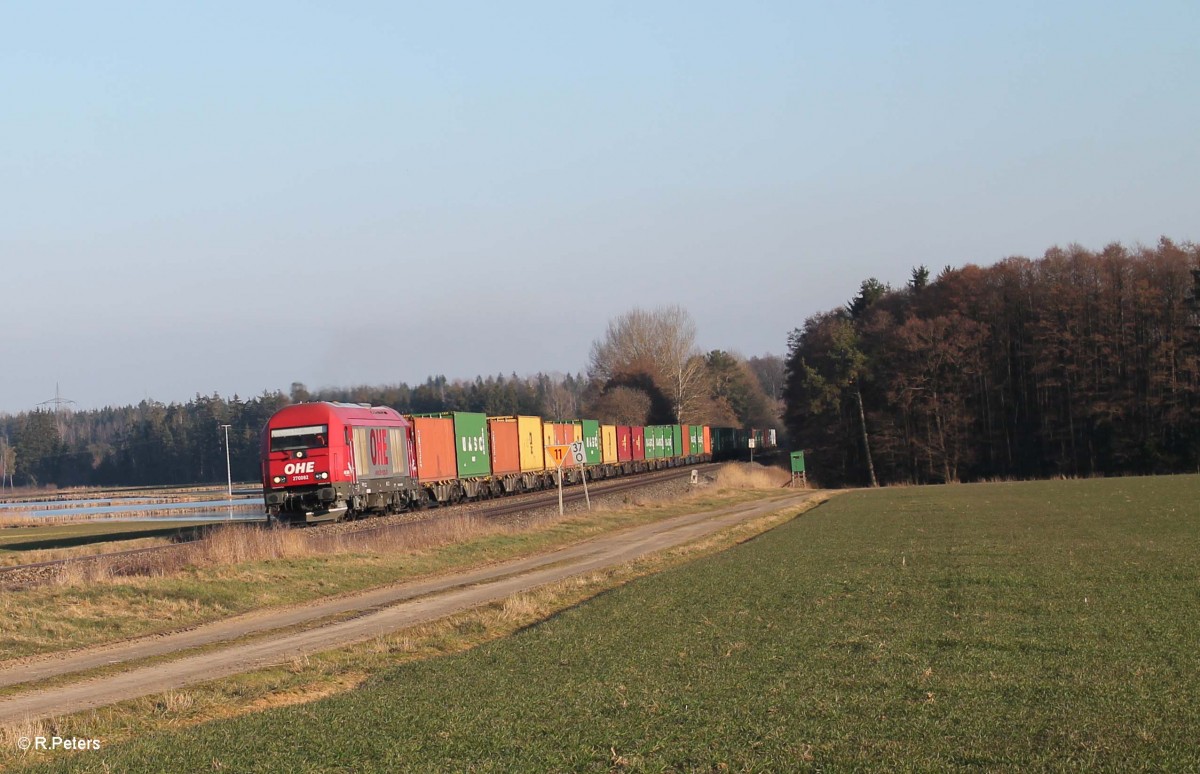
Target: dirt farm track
269	637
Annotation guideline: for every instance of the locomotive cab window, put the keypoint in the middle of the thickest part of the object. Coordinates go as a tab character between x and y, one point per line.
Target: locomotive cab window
307	437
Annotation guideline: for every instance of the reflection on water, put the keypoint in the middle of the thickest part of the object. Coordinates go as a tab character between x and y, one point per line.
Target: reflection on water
37	504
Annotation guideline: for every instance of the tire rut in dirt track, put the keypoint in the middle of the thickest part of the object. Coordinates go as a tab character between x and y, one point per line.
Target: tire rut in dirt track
380	611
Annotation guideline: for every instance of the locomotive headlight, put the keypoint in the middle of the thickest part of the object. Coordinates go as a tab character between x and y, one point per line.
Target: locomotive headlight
279	479
322	476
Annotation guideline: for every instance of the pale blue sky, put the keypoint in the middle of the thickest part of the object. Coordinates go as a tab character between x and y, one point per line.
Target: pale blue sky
234	196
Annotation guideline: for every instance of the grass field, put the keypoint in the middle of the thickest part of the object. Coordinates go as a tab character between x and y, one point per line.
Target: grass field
1014	626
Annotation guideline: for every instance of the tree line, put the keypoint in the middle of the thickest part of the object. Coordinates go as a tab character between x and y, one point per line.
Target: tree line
1079	363
154	443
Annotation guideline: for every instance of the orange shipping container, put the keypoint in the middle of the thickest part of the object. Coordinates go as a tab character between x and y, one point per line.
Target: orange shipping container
707	439
504	445
433	447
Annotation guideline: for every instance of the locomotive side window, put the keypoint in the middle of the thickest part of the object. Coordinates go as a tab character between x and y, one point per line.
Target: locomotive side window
307	437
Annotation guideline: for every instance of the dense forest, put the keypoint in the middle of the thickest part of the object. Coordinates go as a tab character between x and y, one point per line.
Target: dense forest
1076	364
155	443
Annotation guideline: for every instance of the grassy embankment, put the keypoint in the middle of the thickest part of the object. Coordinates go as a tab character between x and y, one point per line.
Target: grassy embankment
41	541
1004	626
238	569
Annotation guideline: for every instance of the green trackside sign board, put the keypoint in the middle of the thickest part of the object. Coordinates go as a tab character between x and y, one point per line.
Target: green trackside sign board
798	462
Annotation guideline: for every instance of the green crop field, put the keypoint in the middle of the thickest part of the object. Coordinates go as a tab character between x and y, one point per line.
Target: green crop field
1048	625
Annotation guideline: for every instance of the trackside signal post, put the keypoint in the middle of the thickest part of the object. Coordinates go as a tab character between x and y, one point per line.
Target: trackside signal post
576	452
558	454
580	455
798	469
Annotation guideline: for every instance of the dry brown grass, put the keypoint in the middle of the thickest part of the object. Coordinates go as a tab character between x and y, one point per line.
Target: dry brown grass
18	518
740	475
82	573
13	735
237	544
76	552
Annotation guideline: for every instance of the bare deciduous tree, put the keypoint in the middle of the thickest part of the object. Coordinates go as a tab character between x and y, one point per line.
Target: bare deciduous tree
561	402
660	343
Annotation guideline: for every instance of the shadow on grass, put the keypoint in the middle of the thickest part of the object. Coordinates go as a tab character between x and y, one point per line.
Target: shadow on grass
177	534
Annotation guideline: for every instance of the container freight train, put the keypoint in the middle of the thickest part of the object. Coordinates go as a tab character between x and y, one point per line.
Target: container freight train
328	461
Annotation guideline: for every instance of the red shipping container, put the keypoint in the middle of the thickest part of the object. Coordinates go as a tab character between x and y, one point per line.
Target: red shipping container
685	441
505	447
639	443
433	447
707	439
624	443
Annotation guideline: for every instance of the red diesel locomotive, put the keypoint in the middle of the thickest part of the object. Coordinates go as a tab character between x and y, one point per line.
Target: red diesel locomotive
322	461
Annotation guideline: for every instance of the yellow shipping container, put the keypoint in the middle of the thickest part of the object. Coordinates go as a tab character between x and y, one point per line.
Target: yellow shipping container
531	437
608	444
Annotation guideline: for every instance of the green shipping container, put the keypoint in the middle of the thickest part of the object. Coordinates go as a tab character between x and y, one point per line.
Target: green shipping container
471	439
653	439
591	439
676	441
471	444
661	433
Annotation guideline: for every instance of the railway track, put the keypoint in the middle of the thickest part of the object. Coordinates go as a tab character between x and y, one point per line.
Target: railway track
129	561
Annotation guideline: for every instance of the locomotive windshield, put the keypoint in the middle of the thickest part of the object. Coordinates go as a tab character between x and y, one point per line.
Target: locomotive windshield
307	437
